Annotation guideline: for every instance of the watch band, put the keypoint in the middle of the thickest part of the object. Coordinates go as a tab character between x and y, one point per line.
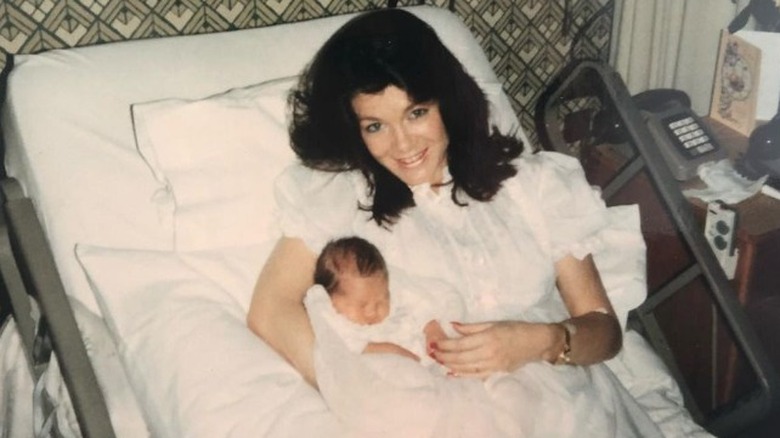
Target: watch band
564	357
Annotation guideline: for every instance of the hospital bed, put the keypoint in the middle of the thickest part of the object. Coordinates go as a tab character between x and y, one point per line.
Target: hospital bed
138	210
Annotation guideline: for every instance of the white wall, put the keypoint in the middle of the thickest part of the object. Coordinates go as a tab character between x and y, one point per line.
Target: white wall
671	44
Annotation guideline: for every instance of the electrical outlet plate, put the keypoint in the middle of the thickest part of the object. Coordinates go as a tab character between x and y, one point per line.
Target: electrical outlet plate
720	230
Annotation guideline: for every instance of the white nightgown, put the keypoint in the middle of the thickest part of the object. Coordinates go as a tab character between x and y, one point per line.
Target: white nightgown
500	256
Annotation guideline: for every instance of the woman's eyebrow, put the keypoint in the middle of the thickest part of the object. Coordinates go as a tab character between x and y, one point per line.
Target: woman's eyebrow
367	118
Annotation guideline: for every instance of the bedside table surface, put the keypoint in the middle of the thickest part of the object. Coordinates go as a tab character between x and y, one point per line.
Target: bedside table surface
759	214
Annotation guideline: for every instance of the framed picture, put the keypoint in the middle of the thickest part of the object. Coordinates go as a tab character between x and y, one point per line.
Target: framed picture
735	91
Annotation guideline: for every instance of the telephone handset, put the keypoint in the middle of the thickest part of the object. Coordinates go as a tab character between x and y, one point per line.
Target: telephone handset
685	140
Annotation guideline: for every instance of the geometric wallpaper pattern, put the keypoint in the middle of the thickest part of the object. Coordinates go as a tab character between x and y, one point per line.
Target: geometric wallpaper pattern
527	41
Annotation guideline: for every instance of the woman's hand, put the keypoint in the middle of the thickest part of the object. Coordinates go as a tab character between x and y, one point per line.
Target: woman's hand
491	347
389	347
433	334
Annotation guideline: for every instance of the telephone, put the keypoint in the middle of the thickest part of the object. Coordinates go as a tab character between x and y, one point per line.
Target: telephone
685	140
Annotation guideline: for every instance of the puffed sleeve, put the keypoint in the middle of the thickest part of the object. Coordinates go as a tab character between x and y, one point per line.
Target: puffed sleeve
572	218
570	210
315	206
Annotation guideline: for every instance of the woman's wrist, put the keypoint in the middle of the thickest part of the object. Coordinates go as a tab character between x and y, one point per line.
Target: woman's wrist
557	343
599	331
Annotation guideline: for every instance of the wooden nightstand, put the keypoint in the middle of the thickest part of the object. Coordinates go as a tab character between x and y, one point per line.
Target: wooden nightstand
701	342
757	277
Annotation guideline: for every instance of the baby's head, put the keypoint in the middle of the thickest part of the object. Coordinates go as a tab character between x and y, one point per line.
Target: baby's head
354	273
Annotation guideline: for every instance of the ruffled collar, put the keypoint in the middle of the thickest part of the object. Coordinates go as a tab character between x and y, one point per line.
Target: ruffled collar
425	193
436	202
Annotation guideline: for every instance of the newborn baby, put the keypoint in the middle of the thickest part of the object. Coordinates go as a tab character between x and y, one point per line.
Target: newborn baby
352	290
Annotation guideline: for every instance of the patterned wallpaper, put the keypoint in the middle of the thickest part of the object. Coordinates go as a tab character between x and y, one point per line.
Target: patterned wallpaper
527	41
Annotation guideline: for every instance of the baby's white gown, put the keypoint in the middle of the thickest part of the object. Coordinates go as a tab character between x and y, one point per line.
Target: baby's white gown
500	256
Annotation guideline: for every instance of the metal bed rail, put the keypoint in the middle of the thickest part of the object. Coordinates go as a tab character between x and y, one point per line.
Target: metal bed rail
42	312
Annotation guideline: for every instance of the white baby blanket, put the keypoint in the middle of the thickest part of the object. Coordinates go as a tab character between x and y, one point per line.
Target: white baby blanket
387	395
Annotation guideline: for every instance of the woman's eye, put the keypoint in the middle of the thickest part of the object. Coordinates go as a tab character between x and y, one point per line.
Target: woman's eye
419	112
372	127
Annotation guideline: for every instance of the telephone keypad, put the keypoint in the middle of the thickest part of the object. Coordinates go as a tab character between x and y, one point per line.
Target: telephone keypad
693	140
684	139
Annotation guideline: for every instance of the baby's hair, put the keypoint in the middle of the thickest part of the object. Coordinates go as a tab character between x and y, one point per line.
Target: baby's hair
347	253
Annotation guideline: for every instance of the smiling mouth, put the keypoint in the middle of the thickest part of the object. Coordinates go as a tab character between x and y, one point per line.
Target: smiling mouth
414	160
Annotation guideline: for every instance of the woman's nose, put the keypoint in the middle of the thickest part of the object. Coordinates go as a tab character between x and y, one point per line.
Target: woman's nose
402	139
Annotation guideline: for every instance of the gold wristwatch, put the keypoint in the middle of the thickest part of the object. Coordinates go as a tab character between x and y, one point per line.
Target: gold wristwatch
564	358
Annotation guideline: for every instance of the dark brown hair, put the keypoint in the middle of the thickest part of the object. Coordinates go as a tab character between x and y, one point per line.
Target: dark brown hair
394	47
347	253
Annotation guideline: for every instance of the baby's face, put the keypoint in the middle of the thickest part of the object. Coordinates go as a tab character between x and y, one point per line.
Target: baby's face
362	300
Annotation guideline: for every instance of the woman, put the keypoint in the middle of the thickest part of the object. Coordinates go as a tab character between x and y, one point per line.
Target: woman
398	136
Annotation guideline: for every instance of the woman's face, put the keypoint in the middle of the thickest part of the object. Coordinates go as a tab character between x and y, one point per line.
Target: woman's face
407	138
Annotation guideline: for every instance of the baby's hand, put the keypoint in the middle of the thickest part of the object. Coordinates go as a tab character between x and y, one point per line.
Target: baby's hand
389	347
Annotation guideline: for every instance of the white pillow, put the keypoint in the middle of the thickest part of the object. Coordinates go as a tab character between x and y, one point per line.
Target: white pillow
182	337
219	156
